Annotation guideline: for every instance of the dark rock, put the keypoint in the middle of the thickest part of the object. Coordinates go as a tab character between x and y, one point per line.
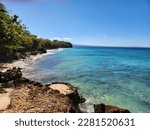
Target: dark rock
8	84
114	109
21	80
26	81
102	108
99	108
76	98
2	91
34	52
7	58
10	74
72	110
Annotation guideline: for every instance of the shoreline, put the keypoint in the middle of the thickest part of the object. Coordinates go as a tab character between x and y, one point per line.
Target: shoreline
77	102
27	64
34	57
29	60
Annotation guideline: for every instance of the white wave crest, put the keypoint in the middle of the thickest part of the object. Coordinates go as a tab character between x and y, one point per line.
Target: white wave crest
60	49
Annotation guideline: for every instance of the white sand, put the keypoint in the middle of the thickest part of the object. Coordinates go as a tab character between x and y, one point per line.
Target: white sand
5	99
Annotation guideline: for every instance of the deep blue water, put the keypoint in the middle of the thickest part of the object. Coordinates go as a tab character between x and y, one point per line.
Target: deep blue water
116	76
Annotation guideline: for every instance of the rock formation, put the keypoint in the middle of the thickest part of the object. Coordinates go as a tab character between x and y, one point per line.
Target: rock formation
102	108
29	96
10	74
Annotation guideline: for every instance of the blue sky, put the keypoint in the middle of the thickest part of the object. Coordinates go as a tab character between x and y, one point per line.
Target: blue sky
87	22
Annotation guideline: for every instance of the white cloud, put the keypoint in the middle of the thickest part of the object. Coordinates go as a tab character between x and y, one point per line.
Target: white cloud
67	39
39	37
61	39
56	38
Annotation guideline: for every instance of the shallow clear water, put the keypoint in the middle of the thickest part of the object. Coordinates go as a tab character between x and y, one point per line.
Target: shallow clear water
116	76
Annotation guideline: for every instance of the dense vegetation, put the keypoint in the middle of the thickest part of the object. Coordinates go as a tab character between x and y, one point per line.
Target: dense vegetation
17	42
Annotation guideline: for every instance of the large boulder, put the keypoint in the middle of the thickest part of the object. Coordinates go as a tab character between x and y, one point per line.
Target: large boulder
102	108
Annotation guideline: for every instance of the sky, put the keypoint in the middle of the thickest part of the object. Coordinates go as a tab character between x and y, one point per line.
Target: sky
87	22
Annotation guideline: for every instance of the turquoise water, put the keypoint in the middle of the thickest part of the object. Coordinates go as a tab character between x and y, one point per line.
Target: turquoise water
116	76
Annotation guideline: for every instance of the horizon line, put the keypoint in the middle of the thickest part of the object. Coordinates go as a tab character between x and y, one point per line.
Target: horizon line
112	46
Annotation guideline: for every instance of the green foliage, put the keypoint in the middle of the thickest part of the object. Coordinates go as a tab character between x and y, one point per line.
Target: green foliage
14	37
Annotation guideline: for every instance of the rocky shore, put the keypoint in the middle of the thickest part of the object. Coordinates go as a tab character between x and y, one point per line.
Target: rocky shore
30	96
18	94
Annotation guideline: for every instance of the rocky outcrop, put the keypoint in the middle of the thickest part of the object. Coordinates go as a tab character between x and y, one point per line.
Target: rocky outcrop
68	90
102	108
30	96
10	74
25	81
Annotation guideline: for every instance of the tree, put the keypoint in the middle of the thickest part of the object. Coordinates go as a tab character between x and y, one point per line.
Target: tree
16	38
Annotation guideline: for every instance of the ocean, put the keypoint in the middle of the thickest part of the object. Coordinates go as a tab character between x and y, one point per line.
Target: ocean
114	76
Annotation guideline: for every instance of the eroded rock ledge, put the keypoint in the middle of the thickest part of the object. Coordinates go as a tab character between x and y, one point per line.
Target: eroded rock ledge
18	94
